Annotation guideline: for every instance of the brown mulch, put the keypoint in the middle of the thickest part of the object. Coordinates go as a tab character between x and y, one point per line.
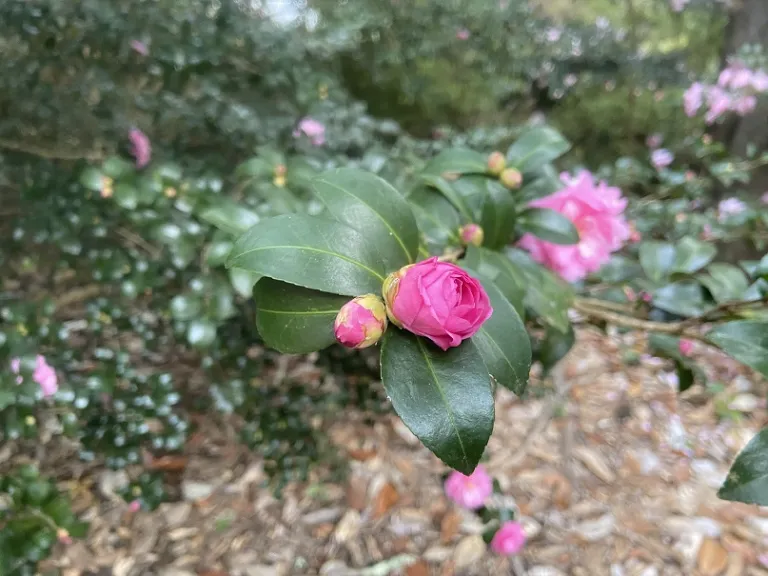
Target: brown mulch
612	472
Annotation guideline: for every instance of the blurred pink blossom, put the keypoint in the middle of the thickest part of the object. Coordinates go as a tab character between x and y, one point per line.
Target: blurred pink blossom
16	367
134	506
142	149
311	128
597	212
685	346
693	99
764	198
745	105
45	376
469	491
509	539
462	34
661	158
678	5
654	140
730	207
719	103
140	47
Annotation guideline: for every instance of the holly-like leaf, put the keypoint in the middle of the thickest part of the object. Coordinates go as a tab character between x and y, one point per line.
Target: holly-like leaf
456	161
295	320
312	252
744	340
747	480
537	147
548	225
498	216
229	216
444	398
503	341
373	207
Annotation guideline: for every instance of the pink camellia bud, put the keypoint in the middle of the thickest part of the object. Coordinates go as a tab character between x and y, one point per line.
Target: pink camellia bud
63	536
685	347
142	149
361	322
469	491
45	376
496	163
311	128
509	539
134	506
511	178
437	300
471	234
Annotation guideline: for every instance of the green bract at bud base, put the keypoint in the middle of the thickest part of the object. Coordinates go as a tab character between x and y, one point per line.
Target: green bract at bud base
471	234
389	291
511	178
496	163
361	322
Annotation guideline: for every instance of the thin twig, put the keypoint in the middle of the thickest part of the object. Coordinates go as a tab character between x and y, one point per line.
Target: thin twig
92	155
674	328
137	240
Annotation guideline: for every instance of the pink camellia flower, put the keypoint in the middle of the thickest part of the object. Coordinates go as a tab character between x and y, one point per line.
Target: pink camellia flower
760	81
311	128
509	539
437	300
745	104
462	34
661	158
719	103
693	99
471	234
654	140
685	347
142	149
469	491
45	376
597	212
361	322
139	47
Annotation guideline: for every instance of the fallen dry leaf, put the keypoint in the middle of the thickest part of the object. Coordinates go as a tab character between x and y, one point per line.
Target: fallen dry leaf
713	558
449	526
420	568
385	499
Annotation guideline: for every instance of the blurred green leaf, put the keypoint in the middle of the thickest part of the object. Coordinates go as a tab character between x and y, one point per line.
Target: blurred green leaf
535	148
744	340
547	225
747	480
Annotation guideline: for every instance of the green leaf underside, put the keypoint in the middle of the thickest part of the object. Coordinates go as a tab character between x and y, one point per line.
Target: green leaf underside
744	340
444	398
503	341
548	225
295	320
747	480
311	252
372	206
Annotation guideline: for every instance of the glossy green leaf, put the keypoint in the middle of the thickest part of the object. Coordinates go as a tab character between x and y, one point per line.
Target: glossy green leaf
685	298
373	207
451	194
295	320
657	259
510	282
254	168
535	148
437	218
554	346
498	216
278	200
548	225
474	190
217	252
503	341
444	398
725	282
126	195
185	306
116	167
744	340
747	480
92	179
692	255
456	161
312	252
229	216
243	281
545	293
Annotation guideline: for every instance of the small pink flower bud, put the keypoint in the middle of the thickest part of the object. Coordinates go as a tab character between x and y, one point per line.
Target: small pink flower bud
471	234
361	322
63	536
511	178
469	491
496	163
134	506
685	347
509	539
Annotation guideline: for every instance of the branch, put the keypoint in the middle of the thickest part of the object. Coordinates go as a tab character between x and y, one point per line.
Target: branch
674	328
50	154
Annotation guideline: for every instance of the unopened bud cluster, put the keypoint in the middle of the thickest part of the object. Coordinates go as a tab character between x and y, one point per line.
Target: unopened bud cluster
510	177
